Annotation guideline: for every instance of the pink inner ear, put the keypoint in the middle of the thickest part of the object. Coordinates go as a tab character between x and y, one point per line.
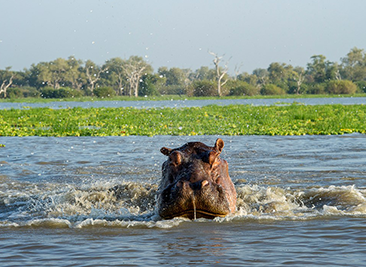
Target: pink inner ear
219	145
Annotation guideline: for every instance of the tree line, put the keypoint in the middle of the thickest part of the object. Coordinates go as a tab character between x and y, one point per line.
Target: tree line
71	77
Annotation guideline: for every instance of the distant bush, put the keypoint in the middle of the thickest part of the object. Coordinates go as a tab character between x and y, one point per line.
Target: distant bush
293	88
361	86
64	92
48	92
341	87
239	88
316	89
271	89
172	90
104	92
204	88
22	92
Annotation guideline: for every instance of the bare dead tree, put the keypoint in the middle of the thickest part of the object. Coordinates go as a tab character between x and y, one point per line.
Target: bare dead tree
93	74
6	83
338	75
220	73
237	71
299	77
134	71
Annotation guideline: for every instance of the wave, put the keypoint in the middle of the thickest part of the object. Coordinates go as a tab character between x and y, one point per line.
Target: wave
132	204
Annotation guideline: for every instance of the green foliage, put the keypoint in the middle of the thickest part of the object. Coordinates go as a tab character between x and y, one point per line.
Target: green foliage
317	88
204	73
293	87
271	89
361	86
204	88
23	92
354	65
173	90
148	85
64	92
104	92
135	77
241	88
341	87
208	120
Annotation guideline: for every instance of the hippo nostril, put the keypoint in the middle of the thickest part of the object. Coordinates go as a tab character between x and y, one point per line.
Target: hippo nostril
183	185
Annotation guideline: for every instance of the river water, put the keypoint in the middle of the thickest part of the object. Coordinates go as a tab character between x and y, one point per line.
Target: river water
187	103
301	202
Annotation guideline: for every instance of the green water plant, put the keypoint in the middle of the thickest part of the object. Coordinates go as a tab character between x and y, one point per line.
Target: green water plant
209	120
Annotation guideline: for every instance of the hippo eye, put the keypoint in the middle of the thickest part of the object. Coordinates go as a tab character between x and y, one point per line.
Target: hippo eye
175	158
210	157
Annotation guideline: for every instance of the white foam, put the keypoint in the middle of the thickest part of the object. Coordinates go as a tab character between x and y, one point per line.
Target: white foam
132	204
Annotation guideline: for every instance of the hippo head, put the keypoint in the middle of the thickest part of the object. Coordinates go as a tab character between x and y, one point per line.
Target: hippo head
195	182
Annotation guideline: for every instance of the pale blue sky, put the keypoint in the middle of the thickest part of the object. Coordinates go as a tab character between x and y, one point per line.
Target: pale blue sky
178	33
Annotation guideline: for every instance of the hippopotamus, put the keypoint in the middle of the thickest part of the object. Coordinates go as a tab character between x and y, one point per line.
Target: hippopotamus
195	183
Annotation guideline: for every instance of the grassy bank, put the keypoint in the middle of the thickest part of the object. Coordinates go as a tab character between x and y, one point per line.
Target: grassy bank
209	120
168	97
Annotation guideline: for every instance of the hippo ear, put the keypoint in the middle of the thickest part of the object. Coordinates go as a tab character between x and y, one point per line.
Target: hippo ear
175	158
219	145
166	151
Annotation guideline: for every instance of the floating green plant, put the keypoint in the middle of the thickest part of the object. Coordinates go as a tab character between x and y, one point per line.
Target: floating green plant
208	120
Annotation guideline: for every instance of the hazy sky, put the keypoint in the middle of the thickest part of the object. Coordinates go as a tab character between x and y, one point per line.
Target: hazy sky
179	33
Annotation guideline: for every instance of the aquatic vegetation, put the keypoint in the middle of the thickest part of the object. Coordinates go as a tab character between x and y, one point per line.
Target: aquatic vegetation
209	120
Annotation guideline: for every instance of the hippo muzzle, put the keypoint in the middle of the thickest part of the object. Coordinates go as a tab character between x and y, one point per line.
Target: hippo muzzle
195	183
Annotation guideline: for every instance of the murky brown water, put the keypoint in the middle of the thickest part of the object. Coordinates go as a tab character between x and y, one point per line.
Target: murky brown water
301	202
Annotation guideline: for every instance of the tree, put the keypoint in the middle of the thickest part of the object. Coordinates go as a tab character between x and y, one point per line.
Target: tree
74	74
316	69
50	73
262	75
58	69
149	84
298	75
93	73
322	70
134	68
354	65
276	72
204	73
116	73
220	73
174	76
6	80
237	71
248	78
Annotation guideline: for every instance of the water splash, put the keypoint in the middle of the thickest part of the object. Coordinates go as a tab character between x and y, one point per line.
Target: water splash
132	204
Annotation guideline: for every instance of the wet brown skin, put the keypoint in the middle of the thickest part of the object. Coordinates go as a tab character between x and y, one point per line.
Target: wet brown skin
195	182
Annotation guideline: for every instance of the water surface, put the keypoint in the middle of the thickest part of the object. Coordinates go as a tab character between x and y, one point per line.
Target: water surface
301	201
187	103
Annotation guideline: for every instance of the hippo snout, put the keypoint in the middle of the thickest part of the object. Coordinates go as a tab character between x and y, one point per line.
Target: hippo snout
195	186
